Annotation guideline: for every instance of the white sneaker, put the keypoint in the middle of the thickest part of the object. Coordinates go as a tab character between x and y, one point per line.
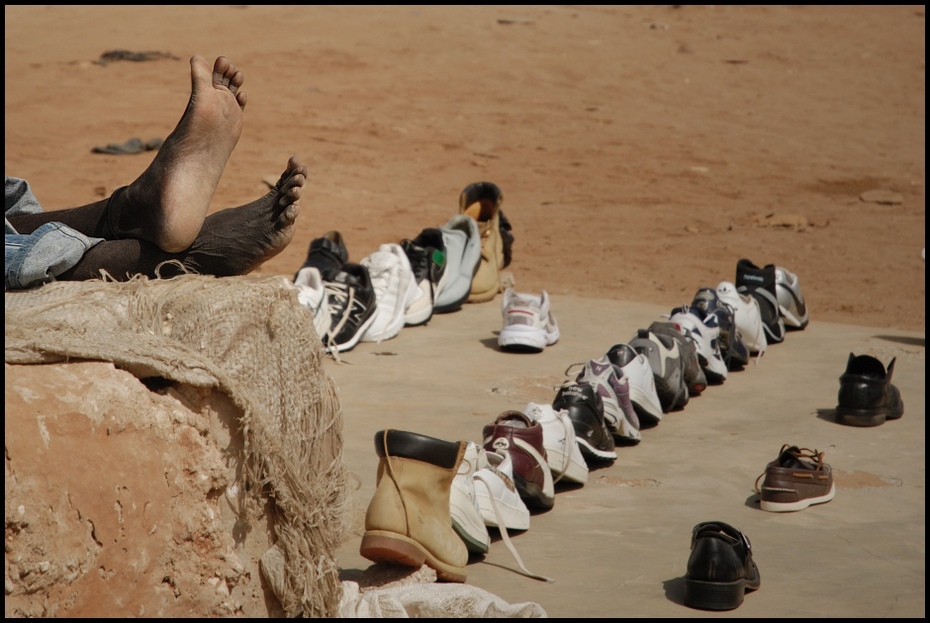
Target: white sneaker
747	315
312	293
390	284
467	520
463	255
529	325
499	502
706	340
562	451
791	304
636	368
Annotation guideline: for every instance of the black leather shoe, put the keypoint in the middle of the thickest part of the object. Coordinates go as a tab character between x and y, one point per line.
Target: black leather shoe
866	396
720	568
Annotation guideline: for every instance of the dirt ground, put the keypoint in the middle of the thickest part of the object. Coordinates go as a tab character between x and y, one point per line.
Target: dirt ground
642	151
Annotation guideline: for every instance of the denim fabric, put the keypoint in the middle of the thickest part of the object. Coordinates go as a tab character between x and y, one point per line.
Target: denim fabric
39	257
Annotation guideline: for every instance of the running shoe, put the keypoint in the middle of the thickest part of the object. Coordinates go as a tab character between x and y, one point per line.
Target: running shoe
747	315
522	438
427	256
791	304
586	411
760	283
715	312
467	520
499	501
529	325
695	378
664	358
706	342
562	451
614	389
392	279
463	255
352	306
643	392
327	254
311	292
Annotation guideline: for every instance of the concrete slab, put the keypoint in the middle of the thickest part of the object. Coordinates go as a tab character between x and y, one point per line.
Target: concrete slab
618	546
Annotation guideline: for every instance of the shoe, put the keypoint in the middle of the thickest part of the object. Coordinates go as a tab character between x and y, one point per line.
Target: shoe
720	567
695	378
795	480
498	499
586	411
715	312
643	392
614	389
790	300
664	358
705	340
463	256
327	254
482	202
352	306
392	279
760	284
747	315
463	503
311	292
866	396
562	451
506	230
529	325
500	502
523	439
427	256
408	520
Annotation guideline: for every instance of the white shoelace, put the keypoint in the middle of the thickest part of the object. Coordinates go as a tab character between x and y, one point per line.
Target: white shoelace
503	530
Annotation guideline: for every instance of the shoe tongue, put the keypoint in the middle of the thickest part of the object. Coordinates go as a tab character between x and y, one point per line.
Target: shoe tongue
705	300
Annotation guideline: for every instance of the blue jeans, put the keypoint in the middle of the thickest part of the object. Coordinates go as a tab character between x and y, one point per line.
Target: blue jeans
39	257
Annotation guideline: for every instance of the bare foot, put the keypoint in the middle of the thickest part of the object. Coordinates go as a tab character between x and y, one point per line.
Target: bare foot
167	204
236	241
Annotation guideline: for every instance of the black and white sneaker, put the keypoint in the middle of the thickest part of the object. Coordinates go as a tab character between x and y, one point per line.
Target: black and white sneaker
327	254
586	411
427	255
734	351
760	284
352	306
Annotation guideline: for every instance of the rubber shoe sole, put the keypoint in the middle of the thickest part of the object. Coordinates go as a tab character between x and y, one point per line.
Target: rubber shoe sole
382	546
787	507
716	595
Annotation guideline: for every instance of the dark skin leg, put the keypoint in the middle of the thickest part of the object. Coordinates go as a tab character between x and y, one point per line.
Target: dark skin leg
232	242
166	205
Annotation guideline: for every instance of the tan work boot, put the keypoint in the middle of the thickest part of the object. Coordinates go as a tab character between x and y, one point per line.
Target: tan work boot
408	520
482	201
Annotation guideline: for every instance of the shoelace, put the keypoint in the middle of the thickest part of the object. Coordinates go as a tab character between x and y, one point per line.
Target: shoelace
504	532
814	458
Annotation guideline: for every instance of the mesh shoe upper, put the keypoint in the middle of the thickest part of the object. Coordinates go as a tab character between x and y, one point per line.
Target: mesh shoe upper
791	303
528	322
664	357
747	316
614	389
638	370
352	305
705	339
695	378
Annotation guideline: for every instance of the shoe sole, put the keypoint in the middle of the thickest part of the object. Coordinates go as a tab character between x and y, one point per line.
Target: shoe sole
864	417
350	344
785	507
525	339
595	455
382	546
715	595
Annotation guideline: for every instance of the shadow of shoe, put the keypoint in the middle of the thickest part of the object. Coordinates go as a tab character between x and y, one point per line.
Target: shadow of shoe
754	501
675	590
827	414
903	339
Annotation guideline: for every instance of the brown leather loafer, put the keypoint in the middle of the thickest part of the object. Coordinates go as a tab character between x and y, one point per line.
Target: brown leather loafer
795	480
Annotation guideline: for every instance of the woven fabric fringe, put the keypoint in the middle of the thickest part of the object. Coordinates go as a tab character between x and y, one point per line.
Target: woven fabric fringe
247	337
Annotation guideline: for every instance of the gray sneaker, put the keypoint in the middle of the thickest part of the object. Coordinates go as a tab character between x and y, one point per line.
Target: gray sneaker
463	255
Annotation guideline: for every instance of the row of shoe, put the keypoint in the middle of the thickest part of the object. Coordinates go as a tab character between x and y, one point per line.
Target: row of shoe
403	284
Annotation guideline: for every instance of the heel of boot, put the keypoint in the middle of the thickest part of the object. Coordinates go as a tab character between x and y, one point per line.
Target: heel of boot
714	595
381	546
860	417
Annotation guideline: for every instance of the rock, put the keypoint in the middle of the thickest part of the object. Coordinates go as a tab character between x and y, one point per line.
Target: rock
882	196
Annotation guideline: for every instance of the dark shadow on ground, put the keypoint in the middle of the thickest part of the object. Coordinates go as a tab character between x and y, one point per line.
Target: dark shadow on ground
675	590
903	339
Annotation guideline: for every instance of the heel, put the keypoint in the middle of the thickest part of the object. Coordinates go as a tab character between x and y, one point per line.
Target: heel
860	417
714	595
